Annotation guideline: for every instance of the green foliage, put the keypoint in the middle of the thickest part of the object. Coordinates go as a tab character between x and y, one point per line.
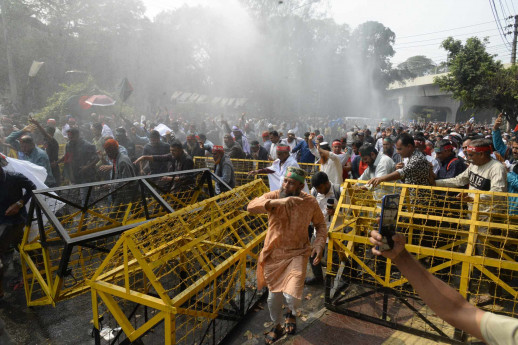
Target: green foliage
418	66
289	58
374	42
478	80
56	104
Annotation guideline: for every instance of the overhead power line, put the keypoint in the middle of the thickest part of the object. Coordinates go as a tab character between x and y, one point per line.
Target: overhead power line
444	37
446	30
431	44
498	22
508	9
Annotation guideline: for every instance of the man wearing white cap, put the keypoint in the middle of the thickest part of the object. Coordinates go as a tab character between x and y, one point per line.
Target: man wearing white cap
329	162
292	140
241	138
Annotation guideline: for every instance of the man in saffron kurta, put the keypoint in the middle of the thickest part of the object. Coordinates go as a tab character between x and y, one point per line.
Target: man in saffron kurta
282	262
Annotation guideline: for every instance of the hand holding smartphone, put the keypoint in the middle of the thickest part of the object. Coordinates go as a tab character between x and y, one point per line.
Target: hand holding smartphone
388	221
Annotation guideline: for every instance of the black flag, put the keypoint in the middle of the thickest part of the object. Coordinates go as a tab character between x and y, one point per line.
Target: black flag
126	90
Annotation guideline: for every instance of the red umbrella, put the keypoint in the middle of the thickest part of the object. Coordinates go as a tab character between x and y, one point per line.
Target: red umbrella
83	104
100	100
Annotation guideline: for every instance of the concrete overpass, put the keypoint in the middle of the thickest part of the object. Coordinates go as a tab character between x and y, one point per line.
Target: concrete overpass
421	92
406	97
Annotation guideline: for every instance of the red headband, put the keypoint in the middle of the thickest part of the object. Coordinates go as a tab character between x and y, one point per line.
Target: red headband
283	149
479	149
446	147
337	143
217	148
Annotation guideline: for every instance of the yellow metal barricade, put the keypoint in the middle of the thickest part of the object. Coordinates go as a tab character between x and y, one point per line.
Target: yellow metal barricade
75	227
469	241
61	150
243	166
189	275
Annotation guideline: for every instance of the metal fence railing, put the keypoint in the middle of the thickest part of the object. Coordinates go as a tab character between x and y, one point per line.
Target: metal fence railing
71	229
243	166
469	241
185	278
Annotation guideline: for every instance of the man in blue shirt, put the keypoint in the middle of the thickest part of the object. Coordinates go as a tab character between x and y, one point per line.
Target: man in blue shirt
15	192
512	175
499	144
27	151
305	155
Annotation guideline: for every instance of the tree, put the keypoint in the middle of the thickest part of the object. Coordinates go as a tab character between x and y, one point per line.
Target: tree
91	35
369	67
418	66
479	81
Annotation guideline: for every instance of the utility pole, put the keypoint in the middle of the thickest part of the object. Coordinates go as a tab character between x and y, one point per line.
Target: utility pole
515	36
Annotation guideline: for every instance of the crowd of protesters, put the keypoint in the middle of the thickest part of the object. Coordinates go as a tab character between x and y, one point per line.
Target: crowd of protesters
102	147
96	148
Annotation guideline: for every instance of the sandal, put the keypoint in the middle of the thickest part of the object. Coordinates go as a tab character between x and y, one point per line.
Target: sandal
290	323
269	338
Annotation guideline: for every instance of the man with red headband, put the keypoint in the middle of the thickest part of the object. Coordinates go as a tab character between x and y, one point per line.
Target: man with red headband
451	165
329	162
486	174
223	168
336	148
267	143
483	173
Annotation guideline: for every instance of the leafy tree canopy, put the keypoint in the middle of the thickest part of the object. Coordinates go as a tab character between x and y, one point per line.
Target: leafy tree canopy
478	80
418	66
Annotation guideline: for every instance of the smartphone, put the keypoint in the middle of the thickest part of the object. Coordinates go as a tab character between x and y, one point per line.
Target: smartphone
387	225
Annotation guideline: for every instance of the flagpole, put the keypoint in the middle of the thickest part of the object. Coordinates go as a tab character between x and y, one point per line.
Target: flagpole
125	86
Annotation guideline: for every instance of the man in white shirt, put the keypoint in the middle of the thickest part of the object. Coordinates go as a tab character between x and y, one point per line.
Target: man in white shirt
378	163
337	150
279	167
276	140
292	141
329	162
327	195
379	141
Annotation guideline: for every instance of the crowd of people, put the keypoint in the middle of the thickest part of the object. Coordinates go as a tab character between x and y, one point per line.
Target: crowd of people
391	151
464	155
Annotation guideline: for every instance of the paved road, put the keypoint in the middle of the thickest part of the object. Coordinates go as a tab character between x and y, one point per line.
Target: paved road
69	323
